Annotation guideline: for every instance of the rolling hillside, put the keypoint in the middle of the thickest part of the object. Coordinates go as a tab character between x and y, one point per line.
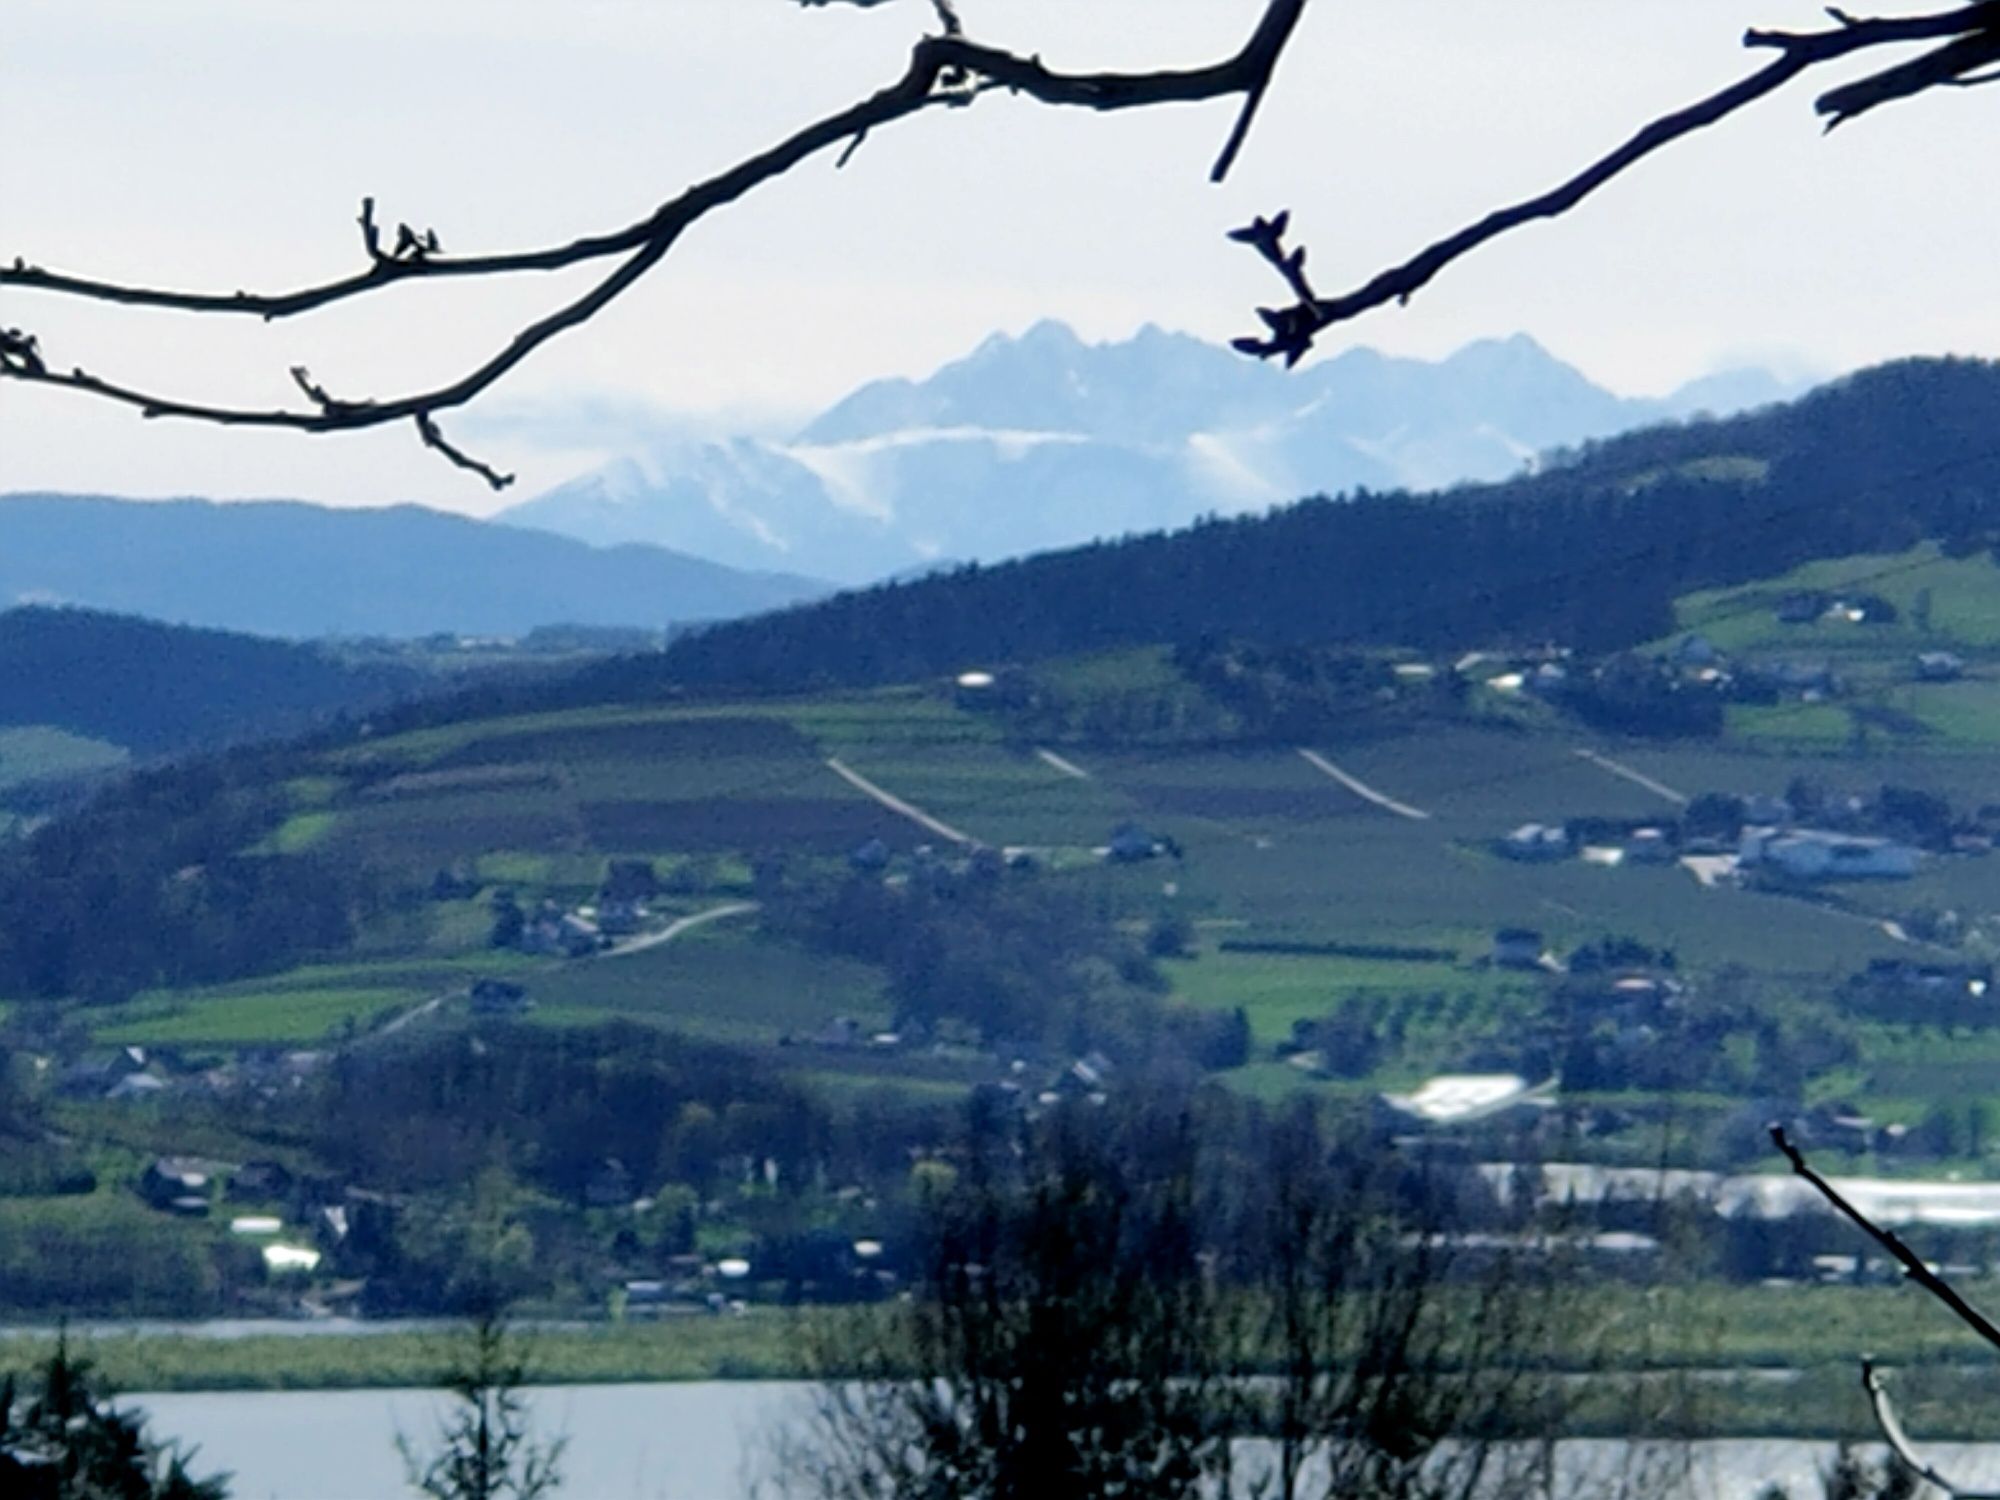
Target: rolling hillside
1278	856
367	873
149	688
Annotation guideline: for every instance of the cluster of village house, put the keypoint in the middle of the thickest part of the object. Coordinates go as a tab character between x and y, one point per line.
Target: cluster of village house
139	1073
308	1231
553	931
1771	839
1698	661
1777	846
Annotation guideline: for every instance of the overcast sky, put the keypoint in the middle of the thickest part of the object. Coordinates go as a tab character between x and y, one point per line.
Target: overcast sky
226	143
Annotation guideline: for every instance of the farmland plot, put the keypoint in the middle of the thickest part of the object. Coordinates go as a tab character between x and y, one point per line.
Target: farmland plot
726	983
995	796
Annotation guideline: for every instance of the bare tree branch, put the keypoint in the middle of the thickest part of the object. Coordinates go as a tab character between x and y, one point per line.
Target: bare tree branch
1912	1263
950	69
1290	331
433	438
1949	64
1899	1441
944	69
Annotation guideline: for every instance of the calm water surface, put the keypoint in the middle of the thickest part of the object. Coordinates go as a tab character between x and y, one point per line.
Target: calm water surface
709	1440
694	1441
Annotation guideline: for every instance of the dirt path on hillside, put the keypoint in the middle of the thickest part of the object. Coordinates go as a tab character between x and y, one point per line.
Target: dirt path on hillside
1067	767
1636	777
1362	789
417	1013
897	805
677	927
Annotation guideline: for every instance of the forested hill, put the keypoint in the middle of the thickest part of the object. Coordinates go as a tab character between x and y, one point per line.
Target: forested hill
1589	552
283	568
153	688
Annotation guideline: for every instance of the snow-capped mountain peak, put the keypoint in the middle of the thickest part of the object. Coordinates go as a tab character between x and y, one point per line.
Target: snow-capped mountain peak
1043	440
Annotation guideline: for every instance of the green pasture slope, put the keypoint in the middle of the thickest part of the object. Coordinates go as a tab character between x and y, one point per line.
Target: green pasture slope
40	753
1943	604
1274	850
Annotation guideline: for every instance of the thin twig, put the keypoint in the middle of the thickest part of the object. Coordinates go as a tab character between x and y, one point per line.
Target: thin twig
1914	1267
433	438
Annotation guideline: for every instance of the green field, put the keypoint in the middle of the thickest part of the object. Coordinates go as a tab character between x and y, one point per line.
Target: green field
1276	990
1817	1330
722	982
1964	607
307	1005
255	1017
38	753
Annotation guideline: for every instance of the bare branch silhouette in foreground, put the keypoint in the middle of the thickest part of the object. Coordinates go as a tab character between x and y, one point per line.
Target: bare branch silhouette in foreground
1974	31
1914	1267
946	70
949	70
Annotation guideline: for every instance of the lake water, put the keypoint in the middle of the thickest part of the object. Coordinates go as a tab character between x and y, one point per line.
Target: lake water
707	1440
694	1441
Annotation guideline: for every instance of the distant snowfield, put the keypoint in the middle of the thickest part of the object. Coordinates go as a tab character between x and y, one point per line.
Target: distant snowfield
855	480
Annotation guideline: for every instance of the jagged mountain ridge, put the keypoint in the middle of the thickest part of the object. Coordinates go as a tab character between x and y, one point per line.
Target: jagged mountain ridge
1044	441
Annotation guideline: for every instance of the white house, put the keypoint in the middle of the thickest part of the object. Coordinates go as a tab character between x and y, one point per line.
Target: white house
1462	1098
1814	854
1536	841
1649	846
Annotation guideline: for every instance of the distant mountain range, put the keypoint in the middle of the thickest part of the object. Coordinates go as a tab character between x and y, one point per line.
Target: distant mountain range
1044	441
288	569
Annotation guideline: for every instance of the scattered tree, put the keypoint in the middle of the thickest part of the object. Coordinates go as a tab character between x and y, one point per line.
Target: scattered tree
1087	1321
485	1447
67	1442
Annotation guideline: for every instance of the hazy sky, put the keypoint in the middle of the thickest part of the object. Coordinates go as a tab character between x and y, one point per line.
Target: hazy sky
225	143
